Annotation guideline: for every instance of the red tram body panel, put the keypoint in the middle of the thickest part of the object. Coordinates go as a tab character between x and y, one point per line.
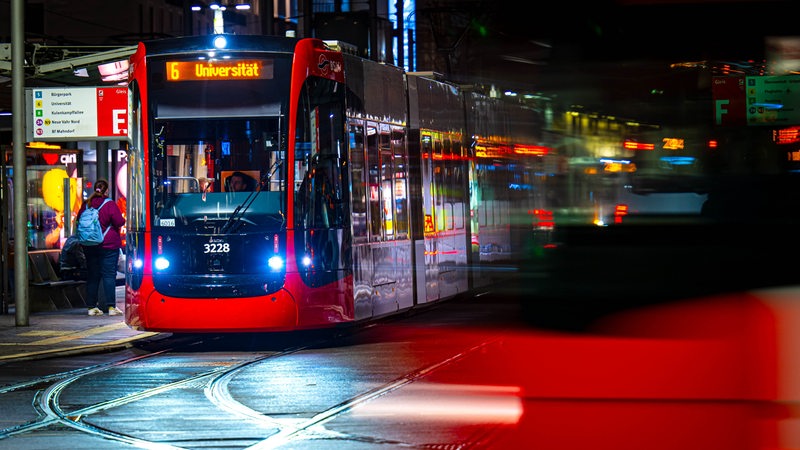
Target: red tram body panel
281	184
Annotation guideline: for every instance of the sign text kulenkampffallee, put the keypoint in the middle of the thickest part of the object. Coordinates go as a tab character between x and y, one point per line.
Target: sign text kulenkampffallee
78	113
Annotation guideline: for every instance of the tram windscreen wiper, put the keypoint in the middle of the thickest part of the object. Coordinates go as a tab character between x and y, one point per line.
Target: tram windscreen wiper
234	221
275	166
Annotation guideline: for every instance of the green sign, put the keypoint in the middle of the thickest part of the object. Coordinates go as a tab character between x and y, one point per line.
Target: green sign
773	100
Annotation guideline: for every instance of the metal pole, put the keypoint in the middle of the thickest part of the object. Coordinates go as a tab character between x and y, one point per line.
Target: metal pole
4	247
187	18
374	52
67	208
102	161
399	35
20	164
267	11
411	67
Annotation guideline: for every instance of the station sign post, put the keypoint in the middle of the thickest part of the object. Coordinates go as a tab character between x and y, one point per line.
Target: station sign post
773	100
757	100
77	113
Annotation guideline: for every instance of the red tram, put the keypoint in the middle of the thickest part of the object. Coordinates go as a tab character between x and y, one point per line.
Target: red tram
360	190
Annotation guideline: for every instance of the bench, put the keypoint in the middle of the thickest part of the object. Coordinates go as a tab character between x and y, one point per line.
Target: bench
48	292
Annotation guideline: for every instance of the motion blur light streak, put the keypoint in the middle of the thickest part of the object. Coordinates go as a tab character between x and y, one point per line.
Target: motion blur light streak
452	403
715	372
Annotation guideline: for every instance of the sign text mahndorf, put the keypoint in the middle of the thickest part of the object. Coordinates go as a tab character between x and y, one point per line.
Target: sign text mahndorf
77	113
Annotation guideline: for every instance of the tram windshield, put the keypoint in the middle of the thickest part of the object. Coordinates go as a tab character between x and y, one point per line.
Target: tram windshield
218	175
218	145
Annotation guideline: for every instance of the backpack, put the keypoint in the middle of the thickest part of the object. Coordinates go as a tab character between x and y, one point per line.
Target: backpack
89	230
72	262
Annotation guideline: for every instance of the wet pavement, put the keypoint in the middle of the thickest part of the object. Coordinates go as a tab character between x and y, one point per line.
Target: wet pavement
65	332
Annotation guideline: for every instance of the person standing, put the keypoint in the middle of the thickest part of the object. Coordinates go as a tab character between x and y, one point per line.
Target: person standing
101	260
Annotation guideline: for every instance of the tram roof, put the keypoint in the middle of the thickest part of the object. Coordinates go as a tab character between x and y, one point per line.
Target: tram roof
206	42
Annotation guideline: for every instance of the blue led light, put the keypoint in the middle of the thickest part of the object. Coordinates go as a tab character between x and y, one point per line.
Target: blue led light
220	42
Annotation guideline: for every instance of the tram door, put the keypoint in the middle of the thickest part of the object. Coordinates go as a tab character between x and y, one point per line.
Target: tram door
445	202
382	272
429	143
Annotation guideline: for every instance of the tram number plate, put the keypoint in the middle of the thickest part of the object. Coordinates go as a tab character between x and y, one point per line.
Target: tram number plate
216	247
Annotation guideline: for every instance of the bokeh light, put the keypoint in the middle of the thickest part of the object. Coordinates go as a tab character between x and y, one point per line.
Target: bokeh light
53	189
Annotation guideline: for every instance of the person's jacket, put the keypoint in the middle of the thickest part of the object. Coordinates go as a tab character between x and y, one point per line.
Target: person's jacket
108	215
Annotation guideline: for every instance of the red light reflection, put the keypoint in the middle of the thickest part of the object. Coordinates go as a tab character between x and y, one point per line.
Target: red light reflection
714	373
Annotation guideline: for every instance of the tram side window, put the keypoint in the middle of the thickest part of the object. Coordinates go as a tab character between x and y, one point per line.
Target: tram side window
457	195
359	192
480	181
275	177
501	194
486	186
318	148
321	203
457	183
387	182
448	188
136	187
438	183
490	194
451	189
373	183
427	179
399	151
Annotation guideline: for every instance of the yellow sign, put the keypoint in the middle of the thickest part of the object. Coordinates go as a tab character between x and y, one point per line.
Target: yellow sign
218	70
673	143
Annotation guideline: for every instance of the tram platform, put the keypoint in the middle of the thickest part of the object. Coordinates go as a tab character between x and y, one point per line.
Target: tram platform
66	332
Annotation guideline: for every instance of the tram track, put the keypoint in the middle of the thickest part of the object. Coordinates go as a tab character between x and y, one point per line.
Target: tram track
42	401
52	411
46	402
287	434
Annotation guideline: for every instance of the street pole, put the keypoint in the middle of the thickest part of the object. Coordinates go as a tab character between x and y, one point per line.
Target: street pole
20	164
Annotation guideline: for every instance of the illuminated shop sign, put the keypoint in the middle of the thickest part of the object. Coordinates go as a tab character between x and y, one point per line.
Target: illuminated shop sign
219	70
633	145
788	135
673	143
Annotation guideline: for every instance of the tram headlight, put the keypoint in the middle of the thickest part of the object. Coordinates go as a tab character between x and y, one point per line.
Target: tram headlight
306	261
161	263
275	263
138	263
